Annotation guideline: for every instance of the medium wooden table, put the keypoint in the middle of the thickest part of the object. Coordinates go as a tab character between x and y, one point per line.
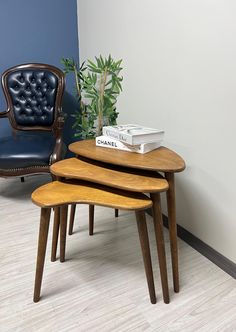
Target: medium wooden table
159	160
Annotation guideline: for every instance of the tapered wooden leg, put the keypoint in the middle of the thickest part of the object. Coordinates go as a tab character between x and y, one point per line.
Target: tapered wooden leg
56	225
91	219
72	218
116	213
42	244
158	226
143	236
173	229
63	225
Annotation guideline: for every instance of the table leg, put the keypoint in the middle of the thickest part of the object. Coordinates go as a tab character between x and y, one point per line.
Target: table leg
63	226
56	225
91	219
158	227
42	244
173	229
72	218
144	242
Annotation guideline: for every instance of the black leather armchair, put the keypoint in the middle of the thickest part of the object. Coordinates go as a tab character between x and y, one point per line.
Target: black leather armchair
34	95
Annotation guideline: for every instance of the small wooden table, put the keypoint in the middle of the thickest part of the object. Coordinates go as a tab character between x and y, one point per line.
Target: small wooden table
159	160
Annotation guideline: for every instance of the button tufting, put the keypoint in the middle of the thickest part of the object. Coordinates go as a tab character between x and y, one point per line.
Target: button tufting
33	94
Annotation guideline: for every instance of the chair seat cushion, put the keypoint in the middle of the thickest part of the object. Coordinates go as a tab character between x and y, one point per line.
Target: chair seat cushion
26	149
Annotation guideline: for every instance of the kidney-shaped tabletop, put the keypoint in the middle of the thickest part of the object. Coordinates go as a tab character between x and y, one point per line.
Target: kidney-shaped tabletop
161	159
110	175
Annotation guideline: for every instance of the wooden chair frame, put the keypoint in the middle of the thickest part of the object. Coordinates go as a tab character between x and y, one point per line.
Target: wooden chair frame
55	128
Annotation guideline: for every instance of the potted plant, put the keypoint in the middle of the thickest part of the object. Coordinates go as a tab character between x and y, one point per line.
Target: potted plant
98	84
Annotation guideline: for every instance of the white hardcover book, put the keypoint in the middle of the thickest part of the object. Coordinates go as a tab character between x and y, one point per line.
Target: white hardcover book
112	143
133	134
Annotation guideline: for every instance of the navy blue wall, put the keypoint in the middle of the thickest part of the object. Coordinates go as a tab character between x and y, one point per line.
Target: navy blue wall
39	31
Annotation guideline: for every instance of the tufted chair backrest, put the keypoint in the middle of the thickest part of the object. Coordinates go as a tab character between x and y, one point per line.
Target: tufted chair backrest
34	94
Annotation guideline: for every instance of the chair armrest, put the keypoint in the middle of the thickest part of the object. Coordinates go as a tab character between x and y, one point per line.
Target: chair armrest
57	152
3	114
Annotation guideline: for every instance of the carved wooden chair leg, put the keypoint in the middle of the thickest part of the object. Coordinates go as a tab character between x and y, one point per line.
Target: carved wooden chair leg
144	241
63	226
56	225
91	219
42	244
116	213
158	227
72	218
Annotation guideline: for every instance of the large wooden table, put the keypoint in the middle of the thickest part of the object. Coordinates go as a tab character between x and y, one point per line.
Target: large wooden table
159	160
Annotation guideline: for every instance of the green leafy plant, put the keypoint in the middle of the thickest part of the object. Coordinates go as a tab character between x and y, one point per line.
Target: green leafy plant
98	84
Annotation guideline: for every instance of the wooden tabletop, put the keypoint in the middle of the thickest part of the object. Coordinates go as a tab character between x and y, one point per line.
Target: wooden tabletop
110	175
161	159
59	193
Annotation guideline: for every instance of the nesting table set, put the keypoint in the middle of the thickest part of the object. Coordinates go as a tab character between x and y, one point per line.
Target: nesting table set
117	179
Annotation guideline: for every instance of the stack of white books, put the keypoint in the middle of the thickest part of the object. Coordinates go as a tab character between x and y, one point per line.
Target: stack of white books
130	137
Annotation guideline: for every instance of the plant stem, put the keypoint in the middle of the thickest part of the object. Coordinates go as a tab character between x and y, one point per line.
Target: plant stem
78	87
101	102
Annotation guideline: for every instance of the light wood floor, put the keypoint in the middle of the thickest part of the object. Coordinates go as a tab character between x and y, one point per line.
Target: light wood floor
101	286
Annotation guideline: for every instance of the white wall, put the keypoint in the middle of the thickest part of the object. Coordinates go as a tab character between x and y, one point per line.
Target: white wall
179	61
